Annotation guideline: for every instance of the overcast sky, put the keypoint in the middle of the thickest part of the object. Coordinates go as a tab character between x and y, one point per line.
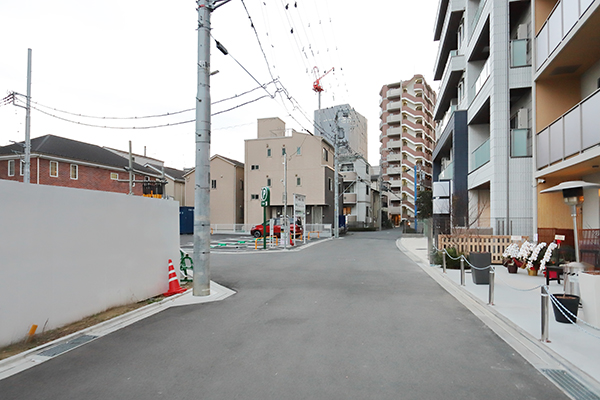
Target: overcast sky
134	58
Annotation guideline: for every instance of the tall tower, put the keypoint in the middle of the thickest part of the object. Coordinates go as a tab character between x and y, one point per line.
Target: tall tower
407	142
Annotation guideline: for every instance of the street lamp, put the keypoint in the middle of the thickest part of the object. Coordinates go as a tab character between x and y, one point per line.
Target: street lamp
573	197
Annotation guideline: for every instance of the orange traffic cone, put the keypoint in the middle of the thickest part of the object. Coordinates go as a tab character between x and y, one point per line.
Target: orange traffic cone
174	287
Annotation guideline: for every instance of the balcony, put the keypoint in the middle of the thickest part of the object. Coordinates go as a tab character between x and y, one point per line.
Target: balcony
394	171
481	79
394	157
349	176
571	134
481	155
394	144
394	119
395	210
560	22
445	120
453	72
447	173
394	93
349	198
394	131
394	106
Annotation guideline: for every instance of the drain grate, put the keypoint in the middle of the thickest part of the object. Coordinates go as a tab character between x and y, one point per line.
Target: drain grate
570	385
66	346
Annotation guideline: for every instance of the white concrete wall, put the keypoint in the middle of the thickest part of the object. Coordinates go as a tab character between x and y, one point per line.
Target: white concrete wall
69	253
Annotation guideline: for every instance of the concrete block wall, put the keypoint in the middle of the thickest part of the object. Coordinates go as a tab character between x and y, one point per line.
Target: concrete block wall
69	253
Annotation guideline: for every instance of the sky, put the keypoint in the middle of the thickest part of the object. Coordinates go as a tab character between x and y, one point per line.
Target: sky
107	62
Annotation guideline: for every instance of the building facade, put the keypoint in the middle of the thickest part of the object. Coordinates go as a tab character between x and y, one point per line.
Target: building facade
357	191
226	190
351	127
310	172
58	161
407	141
567	108
484	113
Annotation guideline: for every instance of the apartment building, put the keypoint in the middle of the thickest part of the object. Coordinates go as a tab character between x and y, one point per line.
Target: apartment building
357	192
567	107
484	113
226	190
407	141
350	125
310	172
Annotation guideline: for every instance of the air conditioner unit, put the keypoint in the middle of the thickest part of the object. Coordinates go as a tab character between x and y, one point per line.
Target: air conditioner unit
522	32
523	118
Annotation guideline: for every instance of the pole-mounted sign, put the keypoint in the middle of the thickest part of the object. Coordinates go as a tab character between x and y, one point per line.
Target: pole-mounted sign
265	201
265	197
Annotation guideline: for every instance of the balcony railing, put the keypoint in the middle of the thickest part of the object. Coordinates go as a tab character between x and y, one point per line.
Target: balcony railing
481	155
520	56
445	119
562	19
476	17
572	133
483	77
448	172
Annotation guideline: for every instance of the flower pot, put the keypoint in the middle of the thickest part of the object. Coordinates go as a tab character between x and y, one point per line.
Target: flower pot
532	272
512	268
481	272
571	303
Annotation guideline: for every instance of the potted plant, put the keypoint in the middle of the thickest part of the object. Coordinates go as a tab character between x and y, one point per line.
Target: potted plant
509	257
535	259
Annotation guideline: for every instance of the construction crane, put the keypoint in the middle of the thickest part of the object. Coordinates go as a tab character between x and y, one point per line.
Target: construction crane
317	85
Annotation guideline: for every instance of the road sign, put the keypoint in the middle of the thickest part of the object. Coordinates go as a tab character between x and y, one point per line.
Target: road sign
265	197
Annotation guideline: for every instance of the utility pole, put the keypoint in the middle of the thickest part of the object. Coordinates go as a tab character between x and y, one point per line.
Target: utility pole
285	223
130	170
201	256
27	174
336	178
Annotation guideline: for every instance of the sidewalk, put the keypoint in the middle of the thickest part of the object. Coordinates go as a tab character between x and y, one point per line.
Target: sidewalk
516	317
47	351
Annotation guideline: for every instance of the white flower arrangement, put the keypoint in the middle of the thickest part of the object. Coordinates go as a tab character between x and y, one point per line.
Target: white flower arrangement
547	255
525	251
511	251
534	255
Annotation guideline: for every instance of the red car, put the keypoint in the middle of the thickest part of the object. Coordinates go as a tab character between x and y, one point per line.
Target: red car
257	230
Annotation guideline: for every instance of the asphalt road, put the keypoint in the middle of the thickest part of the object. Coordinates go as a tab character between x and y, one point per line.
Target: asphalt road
346	319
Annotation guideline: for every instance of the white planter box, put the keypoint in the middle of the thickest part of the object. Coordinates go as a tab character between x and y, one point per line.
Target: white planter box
589	285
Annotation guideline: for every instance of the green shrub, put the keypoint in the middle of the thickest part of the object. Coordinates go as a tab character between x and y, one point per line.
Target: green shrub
450	263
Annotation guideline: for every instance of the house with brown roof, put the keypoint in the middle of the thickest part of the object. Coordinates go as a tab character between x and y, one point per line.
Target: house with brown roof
59	161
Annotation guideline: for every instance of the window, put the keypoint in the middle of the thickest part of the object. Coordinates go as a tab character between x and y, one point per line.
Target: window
367	190
366	169
11	167
347	210
298	181
114	176
254	167
461	89
283	151
268	152
213	184
54	169
330	184
74	171
325	154
299	151
253	197
269	182
241	184
22	168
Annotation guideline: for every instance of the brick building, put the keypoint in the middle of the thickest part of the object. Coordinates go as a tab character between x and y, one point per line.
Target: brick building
64	162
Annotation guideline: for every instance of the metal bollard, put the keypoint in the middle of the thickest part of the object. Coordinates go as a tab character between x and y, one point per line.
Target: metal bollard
545	314
491	293
444	261
462	271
